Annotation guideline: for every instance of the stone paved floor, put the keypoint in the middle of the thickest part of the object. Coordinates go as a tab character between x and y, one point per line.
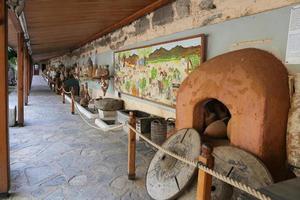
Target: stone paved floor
57	156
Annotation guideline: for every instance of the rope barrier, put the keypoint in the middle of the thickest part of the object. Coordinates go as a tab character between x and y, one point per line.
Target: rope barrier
213	173
64	91
198	165
91	125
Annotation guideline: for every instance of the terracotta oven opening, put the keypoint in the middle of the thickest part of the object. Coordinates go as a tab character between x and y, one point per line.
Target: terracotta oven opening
214	120
242	95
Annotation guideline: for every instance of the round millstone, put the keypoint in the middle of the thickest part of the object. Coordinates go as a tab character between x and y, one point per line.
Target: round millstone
167	177
238	165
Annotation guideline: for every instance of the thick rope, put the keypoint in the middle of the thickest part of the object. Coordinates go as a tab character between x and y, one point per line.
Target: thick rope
198	165
213	173
91	125
64	91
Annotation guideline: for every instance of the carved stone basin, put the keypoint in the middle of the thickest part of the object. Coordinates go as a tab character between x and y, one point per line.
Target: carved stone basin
109	104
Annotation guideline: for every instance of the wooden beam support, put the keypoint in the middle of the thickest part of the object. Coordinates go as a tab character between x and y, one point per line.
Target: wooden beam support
4	144
21	79
26	78
63	94
73	101
31	72
28	74
204	179
148	9
131	147
15	21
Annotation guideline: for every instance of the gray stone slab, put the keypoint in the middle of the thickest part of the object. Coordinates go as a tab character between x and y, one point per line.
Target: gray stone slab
57	156
36	175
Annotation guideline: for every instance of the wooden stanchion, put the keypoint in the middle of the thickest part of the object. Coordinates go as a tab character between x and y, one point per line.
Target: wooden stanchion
204	179
72	103
28	75
50	84
56	85
63	93
25	75
131	148
63	97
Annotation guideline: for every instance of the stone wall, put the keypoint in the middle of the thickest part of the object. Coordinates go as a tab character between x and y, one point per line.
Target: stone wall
180	16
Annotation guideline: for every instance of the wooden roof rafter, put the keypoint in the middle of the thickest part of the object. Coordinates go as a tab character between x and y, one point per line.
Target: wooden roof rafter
70	24
148	9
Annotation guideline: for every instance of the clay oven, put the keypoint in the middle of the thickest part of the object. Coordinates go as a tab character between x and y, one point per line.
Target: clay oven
253	84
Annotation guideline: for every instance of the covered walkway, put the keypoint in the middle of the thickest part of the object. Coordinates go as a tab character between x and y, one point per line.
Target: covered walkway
57	156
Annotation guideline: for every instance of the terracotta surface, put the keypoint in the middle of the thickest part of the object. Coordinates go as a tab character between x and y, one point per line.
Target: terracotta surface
253	84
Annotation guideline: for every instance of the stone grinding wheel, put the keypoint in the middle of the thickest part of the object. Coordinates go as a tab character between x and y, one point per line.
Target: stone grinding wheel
167	177
238	165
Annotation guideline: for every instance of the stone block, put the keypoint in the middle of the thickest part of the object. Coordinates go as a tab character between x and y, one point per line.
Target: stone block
163	15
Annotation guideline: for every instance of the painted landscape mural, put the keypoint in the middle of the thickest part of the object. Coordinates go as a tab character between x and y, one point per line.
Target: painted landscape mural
156	72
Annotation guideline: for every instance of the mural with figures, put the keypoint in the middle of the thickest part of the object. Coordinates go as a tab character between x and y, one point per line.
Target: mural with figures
156	72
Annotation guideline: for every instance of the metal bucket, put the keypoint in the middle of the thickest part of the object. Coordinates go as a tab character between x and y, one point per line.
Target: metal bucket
170	124
158	131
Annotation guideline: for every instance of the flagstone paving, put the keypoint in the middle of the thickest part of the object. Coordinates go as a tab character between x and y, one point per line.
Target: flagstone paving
57	156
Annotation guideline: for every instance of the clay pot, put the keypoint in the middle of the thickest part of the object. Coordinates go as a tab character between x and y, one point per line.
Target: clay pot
84	102
216	129
210	118
90	72
297	83
220	110
82	91
95	67
229	129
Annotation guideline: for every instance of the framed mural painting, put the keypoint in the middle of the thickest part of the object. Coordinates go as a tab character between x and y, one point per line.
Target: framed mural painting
155	72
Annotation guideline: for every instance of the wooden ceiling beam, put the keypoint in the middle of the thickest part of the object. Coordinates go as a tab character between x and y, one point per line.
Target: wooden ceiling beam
77	22
47	56
142	12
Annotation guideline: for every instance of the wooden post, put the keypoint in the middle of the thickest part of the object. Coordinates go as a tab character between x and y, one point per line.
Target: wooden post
56	86
204	179
63	94
26	81
20	79
72	103
131	147
28	75
31	72
63	98
4	144
50	83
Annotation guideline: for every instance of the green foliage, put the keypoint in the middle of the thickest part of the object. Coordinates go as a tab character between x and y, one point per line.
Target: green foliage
161	60
153	73
125	54
12	56
195	60
176	74
143	83
166	82
127	85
